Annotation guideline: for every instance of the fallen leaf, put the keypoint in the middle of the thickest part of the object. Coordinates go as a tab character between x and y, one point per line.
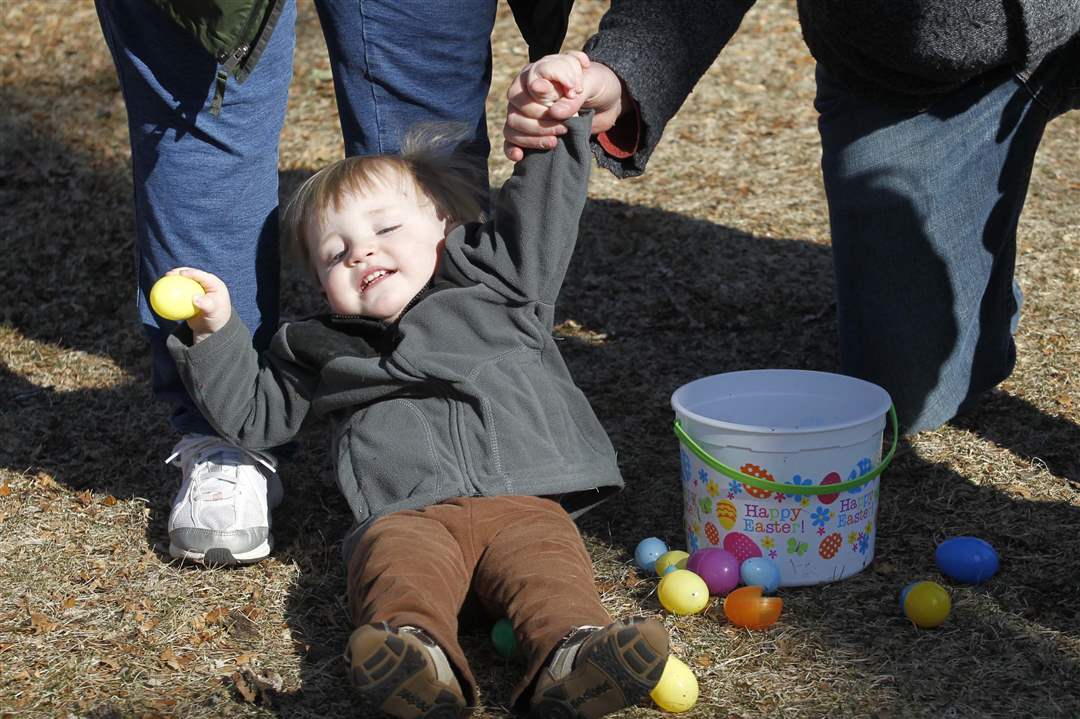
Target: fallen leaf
214	615
260	687
246	690
41	623
173	660
243	659
241	626
68	603
45	482
109	500
5	490
22	675
85	497
703	660
884	568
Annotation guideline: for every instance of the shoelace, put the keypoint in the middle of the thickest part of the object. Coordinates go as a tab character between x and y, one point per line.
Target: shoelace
562	660
200	448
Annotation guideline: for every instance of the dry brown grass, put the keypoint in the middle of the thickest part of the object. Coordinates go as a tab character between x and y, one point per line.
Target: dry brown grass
96	622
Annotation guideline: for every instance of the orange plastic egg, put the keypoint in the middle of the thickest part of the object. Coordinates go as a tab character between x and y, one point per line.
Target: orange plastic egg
746	607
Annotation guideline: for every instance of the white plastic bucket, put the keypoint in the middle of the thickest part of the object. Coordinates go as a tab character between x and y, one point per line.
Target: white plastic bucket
784	464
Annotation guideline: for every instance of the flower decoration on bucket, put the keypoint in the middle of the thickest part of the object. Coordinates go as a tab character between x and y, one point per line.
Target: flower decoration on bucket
864	466
821	517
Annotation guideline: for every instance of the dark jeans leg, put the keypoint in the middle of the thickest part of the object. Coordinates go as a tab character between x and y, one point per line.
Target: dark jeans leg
923	209
205	187
413	61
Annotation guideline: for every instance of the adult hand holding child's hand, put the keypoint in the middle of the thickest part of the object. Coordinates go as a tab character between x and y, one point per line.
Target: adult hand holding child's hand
215	307
551	90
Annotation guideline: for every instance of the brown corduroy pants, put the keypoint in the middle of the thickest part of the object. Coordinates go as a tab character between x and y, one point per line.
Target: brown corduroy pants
522	556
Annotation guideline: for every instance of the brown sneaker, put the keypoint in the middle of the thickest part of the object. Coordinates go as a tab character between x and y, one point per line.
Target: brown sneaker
402	673
599	671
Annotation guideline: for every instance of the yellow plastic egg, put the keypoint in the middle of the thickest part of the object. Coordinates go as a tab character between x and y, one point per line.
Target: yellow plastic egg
670	561
171	296
927	604
683	592
677	690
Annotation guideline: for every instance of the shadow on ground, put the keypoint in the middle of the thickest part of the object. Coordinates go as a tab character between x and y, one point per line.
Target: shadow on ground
659	299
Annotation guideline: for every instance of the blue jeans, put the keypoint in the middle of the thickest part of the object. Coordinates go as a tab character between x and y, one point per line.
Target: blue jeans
206	187
923	210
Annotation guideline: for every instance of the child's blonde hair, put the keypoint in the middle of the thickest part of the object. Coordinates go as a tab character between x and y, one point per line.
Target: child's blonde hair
430	156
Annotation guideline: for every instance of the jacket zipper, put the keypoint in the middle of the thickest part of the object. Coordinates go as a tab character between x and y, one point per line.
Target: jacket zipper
229	61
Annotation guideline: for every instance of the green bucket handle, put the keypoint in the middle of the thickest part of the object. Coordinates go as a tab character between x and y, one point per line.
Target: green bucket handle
796	489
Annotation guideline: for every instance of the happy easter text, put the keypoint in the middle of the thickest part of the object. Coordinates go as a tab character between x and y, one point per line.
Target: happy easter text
787	520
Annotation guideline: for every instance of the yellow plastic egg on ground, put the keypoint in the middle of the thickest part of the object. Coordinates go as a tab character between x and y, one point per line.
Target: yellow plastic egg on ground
677	690
171	296
670	561
927	604
683	592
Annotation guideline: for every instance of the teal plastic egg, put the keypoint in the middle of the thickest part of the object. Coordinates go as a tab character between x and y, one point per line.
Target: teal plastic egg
502	636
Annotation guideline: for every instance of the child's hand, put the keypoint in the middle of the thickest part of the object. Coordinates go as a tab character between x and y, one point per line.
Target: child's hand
552	89
554	77
215	308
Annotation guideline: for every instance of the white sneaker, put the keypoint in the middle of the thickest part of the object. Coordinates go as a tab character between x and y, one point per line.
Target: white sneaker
221	515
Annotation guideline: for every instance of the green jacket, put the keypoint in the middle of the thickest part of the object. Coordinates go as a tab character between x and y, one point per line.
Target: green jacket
235	32
465	395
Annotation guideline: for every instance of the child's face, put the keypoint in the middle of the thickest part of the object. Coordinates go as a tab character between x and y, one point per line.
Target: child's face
375	253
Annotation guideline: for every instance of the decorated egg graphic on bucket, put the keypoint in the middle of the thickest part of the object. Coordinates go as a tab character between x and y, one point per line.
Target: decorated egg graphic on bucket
726	513
830	545
830	478
741	546
712	534
761	473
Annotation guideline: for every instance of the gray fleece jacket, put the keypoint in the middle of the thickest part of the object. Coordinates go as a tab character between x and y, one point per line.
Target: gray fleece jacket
465	395
903	52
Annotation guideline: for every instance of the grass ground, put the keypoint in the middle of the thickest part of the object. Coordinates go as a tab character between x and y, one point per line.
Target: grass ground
717	260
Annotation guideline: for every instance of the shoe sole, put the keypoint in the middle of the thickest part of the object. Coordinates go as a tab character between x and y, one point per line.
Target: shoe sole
220	556
624	659
394	671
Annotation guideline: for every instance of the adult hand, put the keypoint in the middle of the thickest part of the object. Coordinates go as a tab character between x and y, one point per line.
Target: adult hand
215	307
551	90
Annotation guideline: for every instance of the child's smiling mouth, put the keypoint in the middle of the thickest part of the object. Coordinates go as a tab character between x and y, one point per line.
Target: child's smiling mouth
372	277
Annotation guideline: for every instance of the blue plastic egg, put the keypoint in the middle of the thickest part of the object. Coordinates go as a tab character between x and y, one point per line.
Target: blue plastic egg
904	593
760	572
647	552
969	560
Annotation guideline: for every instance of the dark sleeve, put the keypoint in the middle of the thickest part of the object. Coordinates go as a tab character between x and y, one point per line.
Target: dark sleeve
660	50
524	251
542	24
256	400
